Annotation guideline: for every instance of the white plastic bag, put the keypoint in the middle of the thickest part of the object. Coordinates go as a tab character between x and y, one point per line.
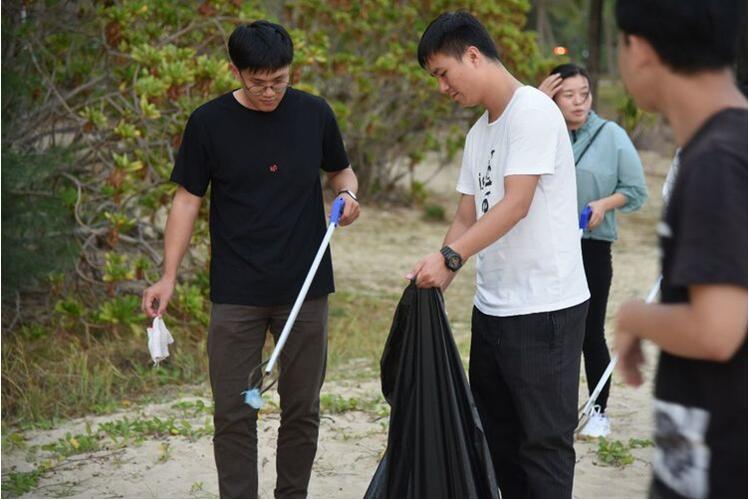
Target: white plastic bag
159	339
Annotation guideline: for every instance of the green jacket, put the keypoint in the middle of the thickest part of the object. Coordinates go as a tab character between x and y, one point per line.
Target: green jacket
610	165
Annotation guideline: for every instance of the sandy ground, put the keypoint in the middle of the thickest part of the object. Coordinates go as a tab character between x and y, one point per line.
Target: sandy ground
374	254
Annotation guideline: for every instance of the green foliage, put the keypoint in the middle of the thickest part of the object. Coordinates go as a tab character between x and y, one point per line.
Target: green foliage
18	483
330	403
389	107
631	118
44	380
126	430
193	409
190	300
434	212
640	443
73	445
122	311
165	454
37	224
32	331
13	441
614	453
618	454
335	403
567	25
358	326
419	193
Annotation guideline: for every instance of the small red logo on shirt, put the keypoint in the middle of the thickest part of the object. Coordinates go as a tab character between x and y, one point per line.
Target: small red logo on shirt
273	168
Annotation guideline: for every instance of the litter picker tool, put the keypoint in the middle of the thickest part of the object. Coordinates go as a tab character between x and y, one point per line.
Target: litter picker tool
261	378
585	219
587	408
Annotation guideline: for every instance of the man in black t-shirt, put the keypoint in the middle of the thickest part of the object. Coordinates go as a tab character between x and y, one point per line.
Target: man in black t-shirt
675	58
261	149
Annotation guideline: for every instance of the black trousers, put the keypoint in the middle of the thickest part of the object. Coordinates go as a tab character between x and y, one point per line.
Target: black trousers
524	373
598	270
235	342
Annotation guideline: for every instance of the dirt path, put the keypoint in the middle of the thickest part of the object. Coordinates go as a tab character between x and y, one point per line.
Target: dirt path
164	450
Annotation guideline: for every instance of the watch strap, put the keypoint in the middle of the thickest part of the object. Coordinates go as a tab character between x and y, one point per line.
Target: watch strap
348	192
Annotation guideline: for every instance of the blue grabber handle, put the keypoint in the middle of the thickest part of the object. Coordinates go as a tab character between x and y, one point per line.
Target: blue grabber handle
585	217
337	210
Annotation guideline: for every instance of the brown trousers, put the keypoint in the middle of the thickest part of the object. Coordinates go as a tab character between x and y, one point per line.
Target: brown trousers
235	341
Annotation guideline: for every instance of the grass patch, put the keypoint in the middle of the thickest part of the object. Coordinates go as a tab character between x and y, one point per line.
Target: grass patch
48	379
434	213
73	445
125	430
13	441
618	454
358	327
51	377
335	403
192	409
165	454
121	432
19	483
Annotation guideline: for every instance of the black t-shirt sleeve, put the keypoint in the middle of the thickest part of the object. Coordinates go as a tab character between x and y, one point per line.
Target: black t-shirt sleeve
192	166
334	157
711	244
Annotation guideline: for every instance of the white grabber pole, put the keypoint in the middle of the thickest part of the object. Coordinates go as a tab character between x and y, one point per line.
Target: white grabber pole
588	407
253	395
335	215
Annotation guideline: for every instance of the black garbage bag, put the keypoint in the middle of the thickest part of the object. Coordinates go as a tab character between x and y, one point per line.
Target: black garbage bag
436	445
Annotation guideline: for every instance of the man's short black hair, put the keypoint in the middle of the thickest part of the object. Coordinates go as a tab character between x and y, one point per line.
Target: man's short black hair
688	35
451	33
569	70
261	46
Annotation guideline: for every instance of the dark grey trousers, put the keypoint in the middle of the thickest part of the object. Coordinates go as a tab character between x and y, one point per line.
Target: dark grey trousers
524	373
235	341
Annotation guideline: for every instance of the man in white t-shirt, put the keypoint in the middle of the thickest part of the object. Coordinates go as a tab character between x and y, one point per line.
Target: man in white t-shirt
518	214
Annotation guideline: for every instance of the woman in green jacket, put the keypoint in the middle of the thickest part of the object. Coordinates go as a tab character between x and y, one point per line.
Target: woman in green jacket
609	178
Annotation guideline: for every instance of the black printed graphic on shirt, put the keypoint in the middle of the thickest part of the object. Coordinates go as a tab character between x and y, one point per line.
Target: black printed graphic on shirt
682	458
485	181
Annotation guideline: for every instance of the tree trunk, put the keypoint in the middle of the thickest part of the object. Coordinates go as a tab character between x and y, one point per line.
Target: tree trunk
609	42
543	27
595	17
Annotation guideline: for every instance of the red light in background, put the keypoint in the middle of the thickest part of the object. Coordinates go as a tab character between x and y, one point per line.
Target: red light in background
560	51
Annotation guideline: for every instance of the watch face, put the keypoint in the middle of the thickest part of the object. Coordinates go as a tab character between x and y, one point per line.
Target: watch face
453	262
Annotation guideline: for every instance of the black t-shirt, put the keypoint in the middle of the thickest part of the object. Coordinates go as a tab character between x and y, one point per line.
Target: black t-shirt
267	215
701	406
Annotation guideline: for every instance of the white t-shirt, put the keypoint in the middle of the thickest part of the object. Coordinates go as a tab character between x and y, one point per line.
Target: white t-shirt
537	266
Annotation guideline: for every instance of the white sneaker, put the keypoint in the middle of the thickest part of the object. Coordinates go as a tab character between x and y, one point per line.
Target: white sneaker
598	425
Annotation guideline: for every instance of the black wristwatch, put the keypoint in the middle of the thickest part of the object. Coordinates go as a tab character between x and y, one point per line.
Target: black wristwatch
352	195
453	260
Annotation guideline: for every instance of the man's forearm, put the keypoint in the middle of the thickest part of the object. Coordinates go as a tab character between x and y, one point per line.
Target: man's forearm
179	228
706	330
673	328
344	180
457	229
492	226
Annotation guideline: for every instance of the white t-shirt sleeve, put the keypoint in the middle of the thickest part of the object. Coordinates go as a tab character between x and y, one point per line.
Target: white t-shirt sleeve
465	180
533	138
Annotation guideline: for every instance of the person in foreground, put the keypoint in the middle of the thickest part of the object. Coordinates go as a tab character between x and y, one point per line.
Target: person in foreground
261	148
609	179
675	58
518	213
